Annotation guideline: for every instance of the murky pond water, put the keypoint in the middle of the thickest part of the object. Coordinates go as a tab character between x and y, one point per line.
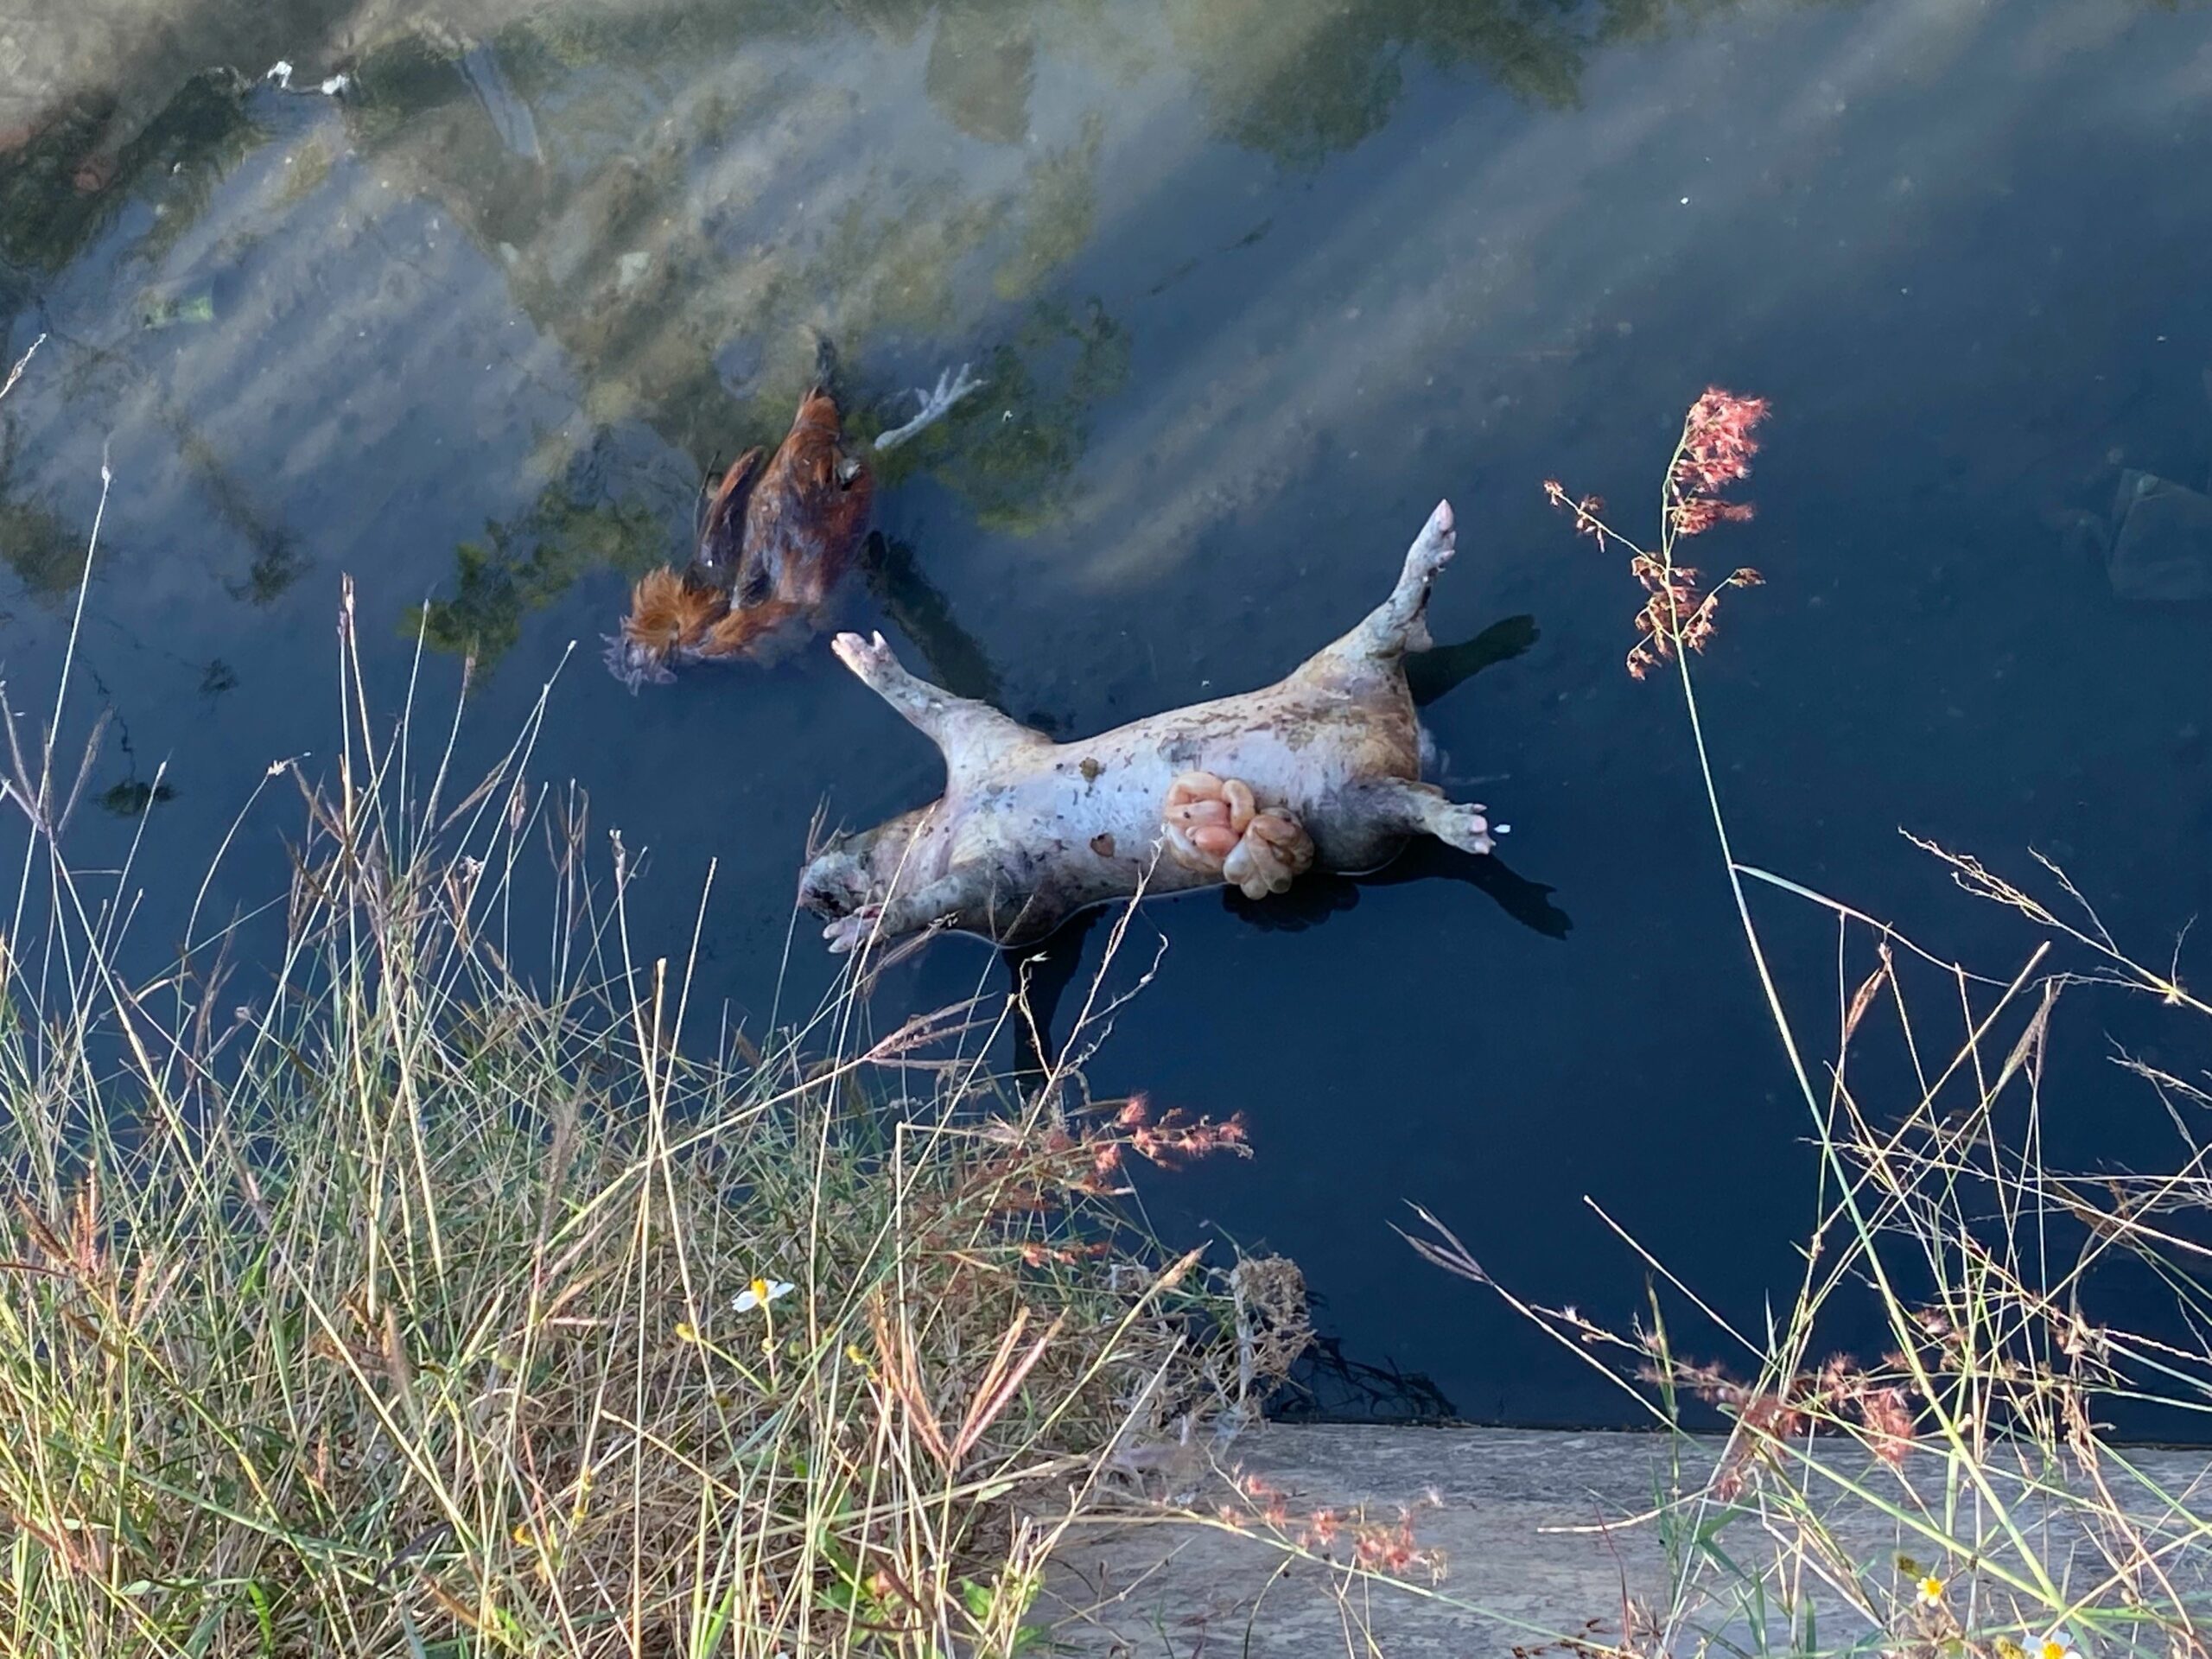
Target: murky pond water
1252	282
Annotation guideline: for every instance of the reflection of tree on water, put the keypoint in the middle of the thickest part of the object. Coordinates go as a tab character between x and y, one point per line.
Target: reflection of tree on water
51	207
1012	453
1302	80
981	68
530	561
633	266
46	553
639	237
640	257
278	560
199	156
1060	212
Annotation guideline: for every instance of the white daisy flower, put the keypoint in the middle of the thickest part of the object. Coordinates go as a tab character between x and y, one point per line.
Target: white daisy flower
761	1292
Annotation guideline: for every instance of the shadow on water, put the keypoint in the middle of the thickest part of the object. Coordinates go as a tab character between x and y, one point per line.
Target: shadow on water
951	657
1041	974
1327	1385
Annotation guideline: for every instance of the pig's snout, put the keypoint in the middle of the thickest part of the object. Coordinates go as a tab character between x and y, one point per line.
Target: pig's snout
834	884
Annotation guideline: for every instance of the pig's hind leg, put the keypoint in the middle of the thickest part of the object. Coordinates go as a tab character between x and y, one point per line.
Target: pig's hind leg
1396	625
1405	808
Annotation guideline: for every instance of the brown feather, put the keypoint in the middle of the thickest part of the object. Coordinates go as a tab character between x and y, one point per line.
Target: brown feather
736	633
721	551
802	524
668	615
776	540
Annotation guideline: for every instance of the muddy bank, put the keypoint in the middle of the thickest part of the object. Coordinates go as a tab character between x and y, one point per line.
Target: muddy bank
1515	1520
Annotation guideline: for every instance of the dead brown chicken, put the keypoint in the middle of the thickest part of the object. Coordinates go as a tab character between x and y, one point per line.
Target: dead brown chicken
777	538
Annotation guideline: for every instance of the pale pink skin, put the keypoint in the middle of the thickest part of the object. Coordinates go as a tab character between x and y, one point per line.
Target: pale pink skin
1219	825
1029	831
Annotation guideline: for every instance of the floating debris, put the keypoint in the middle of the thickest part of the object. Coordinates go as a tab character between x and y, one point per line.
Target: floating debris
2162	550
331	87
2155	543
130	798
158	311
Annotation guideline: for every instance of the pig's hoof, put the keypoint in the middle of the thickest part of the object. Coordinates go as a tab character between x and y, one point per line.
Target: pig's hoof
871	659
848	933
1432	548
1463	827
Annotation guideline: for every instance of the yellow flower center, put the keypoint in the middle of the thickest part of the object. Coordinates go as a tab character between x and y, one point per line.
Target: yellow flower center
760	1289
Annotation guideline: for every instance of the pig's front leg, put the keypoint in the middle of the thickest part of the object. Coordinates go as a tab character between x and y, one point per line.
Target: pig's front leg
972	735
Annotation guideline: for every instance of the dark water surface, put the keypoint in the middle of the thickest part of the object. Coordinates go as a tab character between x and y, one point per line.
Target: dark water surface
1254	283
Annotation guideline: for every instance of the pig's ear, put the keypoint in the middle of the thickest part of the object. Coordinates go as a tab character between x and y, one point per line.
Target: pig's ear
820	839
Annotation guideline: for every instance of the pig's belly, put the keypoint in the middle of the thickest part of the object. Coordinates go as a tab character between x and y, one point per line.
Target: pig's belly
1093	809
